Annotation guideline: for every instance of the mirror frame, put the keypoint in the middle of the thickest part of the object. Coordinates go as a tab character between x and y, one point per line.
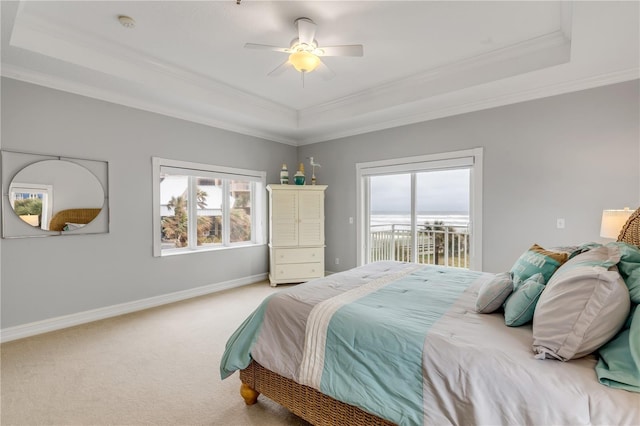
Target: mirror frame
14	227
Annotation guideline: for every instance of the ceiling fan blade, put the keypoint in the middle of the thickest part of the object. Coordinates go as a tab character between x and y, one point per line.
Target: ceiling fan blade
266	47
325	72
346	50
280	68
306	30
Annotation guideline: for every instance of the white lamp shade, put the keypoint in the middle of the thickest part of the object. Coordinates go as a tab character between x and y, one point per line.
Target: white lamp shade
613	221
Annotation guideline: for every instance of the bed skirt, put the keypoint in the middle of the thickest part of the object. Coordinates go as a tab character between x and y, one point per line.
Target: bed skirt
305	402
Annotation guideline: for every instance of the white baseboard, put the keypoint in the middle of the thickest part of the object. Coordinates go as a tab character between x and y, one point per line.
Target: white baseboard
57	323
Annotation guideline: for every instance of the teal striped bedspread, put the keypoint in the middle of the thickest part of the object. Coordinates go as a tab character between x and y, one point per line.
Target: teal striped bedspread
363	346
403	341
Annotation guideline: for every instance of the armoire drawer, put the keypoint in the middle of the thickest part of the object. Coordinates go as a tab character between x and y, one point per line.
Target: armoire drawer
298	255
298	271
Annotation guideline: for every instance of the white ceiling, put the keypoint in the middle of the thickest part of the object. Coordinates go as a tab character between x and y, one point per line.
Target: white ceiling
422	59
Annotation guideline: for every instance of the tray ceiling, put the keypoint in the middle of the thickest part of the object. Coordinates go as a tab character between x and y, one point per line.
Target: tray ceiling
422	59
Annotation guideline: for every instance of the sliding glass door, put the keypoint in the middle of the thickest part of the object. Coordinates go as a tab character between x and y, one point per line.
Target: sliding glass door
442	209
421	209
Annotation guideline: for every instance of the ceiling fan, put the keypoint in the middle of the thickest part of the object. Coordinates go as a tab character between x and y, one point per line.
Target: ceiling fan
304	52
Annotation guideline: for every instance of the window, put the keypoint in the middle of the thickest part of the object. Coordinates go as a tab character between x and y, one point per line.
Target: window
32	202
204	207
421	209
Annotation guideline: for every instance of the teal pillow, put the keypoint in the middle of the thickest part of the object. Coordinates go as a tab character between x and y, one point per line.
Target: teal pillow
629	267
520	306
493	293
537	260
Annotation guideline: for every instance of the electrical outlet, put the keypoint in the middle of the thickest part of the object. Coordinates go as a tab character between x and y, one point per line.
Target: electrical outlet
337	260
560	223
350	220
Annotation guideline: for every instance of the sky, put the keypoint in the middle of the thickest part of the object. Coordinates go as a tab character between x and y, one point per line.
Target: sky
437	191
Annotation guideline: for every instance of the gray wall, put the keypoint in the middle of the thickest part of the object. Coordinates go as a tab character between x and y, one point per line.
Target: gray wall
568	156
48	277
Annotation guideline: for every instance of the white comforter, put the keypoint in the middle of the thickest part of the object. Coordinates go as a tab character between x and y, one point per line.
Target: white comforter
479	371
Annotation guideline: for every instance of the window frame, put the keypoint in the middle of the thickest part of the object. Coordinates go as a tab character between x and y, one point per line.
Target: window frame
227	174
35	188
471	158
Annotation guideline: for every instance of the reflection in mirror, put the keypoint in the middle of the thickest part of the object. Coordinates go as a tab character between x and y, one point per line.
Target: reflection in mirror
32	203
56	195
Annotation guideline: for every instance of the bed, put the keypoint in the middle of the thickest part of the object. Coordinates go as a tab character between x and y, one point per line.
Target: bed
75	217
331	350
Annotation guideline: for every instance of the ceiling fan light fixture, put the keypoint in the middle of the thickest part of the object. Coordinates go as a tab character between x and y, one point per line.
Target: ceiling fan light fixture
304	61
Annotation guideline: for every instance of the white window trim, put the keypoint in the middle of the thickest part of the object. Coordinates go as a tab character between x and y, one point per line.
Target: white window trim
469	157
36	188
258	230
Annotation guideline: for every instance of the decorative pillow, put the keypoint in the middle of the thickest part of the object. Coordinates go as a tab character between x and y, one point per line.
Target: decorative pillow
519	307
537	260
571	251
585	304
589	246
600	256
493	293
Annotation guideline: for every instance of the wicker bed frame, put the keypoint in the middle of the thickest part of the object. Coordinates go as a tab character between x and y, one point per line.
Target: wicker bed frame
322	410
303	401
61	218
630	232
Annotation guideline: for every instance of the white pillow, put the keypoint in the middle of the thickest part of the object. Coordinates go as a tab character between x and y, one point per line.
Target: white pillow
73	226
493	293
584	304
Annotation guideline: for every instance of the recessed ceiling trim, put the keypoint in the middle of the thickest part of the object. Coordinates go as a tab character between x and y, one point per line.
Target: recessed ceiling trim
30	76
511	98
46	80
38	35
62	53
540	52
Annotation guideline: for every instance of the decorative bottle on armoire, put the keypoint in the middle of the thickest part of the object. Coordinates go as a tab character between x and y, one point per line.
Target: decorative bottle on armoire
296	233
299	177
284	175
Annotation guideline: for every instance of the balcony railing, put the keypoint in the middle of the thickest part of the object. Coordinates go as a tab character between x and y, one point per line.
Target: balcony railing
440	245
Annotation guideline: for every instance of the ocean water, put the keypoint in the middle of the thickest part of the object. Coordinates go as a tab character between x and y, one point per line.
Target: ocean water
454	220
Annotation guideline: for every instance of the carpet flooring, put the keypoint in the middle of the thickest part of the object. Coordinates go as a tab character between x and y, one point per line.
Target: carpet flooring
154	367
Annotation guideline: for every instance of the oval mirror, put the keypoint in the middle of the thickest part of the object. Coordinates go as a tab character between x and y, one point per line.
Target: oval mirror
56	195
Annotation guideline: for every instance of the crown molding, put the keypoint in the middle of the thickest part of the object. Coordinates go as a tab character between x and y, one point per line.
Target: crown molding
29	76
40	79
540	52
512	98
36	34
